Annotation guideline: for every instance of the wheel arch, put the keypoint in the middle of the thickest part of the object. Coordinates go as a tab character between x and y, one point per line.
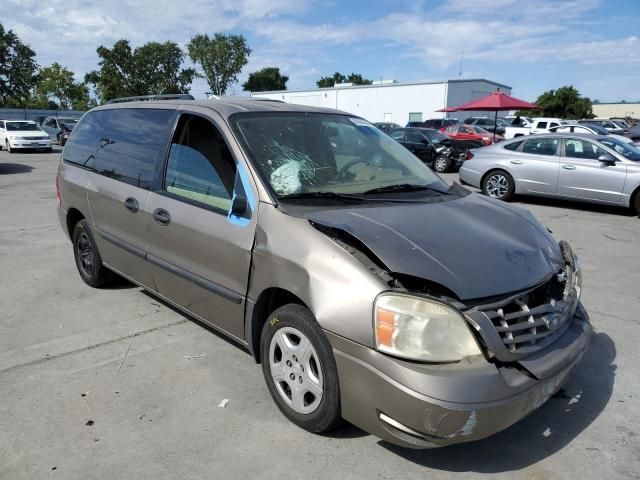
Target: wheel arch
498	169
73	217
268	301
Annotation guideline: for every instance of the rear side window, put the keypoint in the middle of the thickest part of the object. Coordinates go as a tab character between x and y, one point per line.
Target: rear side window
83	142
200	166
541	146
513	146
542	125
132	143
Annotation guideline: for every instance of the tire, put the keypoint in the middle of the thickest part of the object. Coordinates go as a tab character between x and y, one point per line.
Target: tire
498	184
8	146
442	164
48	150
59	140
87	256
313	401
636	203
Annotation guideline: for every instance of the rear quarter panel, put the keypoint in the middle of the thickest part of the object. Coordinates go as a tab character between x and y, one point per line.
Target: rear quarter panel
73	183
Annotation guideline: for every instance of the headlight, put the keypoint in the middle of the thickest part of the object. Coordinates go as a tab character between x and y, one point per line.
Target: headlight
420	329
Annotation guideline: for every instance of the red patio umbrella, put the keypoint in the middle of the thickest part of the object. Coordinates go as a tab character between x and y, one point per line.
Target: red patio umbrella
496	101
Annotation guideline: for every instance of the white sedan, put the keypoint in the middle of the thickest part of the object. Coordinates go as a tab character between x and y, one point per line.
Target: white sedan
23	135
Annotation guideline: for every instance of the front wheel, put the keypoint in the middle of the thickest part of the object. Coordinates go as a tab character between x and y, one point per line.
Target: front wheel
442	164
8	146
300	370
499	185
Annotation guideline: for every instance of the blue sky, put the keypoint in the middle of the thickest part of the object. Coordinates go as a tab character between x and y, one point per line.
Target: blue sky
531	45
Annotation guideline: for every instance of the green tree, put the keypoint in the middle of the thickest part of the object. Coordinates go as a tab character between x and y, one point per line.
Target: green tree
355	78
56	83
269	78
152	69
18	70
221	59
565	102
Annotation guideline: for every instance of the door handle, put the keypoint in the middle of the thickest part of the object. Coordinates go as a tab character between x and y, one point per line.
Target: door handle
131	204
568	167
516	162
162	217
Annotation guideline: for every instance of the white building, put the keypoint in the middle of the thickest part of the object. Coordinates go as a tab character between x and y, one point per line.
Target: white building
388	101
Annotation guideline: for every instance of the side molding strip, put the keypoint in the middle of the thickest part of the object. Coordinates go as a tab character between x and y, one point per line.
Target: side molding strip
170	267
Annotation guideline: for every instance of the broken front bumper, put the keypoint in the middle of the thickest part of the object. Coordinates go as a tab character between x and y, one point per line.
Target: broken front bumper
425	406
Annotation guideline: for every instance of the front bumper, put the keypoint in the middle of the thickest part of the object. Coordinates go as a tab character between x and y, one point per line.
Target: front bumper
17	144
426	406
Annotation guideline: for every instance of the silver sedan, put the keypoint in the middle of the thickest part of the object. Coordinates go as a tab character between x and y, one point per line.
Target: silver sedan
590	168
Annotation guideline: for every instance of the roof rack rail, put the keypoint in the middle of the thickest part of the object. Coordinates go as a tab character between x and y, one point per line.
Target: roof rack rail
146	98
259	99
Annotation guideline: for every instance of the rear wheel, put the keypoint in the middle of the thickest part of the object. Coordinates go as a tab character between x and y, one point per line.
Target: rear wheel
87	257
300	370
442	164
499	185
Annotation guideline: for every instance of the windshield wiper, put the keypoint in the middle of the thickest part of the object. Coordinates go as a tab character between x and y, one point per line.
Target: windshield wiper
404	187
339	196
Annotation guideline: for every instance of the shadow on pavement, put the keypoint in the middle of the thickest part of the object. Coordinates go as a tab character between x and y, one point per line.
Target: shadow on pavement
544	432
13	168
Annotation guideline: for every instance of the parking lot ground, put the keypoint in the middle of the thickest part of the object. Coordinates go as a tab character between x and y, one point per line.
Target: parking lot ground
113	384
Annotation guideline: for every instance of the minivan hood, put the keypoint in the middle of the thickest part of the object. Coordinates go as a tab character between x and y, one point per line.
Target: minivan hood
474	246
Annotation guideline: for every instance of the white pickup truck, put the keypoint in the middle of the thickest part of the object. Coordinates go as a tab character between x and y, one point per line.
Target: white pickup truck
537	125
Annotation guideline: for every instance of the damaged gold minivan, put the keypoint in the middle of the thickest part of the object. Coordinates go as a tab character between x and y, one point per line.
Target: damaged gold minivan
367	288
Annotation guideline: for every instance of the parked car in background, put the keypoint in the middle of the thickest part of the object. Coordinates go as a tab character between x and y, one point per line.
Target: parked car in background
386	127
414	125
543	124
590	168
23	135
440	123
434	148
488	123
59	128
518	121
471	132
634	132
587	128
420	312
608	125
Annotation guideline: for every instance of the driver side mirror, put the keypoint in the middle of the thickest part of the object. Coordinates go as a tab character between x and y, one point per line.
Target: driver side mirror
239	206
607	159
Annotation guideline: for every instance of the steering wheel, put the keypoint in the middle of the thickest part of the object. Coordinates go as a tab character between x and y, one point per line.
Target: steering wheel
342	173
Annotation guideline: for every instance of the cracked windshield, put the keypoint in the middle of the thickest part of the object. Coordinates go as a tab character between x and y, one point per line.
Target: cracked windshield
319	154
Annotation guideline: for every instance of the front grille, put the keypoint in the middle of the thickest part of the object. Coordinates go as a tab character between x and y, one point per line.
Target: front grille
532	320
33	138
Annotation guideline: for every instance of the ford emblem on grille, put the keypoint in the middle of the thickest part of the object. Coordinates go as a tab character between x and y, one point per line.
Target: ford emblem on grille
552	321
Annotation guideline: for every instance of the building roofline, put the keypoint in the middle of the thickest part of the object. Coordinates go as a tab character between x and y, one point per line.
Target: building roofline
385	85
637	102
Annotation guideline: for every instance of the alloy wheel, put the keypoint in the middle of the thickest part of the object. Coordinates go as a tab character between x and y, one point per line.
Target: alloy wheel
85	253
295	369
497	185
441	164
